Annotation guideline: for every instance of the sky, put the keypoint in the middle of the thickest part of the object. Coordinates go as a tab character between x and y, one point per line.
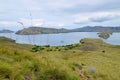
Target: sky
58	13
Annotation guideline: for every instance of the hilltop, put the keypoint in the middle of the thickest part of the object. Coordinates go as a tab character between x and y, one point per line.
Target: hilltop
90	59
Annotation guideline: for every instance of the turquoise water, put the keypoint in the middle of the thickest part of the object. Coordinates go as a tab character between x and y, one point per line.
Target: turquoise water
59	39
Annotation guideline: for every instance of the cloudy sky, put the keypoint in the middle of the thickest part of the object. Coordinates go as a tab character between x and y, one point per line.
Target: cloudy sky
59	13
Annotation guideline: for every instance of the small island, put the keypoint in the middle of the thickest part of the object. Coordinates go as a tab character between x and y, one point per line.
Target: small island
104	35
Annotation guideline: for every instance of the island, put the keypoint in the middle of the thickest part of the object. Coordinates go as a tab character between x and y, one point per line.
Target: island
97	29
6	31
43	30
104	35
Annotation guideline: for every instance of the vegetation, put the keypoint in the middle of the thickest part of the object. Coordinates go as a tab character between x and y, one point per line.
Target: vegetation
70	62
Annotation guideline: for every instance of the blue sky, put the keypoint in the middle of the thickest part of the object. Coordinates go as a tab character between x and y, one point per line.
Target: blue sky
59	13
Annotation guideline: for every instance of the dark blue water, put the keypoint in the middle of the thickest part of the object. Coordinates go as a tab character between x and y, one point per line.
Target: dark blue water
59	39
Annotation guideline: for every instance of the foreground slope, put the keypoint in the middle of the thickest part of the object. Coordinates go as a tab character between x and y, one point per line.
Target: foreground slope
92	59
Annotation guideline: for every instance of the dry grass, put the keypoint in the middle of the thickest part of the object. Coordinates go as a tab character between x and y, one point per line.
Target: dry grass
17	62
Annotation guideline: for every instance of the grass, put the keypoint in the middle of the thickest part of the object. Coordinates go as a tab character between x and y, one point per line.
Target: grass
28	62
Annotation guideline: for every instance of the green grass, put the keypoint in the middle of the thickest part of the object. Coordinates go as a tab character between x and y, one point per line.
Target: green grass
21	62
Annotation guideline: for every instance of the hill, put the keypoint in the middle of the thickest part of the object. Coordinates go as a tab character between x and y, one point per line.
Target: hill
90	59
41	30
6	31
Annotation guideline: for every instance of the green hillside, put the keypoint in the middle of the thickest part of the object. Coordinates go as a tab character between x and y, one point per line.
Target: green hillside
91	59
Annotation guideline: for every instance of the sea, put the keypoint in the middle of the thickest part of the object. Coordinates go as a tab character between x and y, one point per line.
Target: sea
59	39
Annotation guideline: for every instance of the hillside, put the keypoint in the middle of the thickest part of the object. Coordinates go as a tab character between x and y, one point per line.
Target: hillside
41	30
90	59
6	31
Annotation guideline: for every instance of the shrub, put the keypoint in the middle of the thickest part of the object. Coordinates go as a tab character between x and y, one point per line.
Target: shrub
59	49
73	51
82	41
103	51
47	45
35	48
65	48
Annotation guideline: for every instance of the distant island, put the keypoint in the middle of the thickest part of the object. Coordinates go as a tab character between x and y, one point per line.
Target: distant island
42	30
6	31
97	29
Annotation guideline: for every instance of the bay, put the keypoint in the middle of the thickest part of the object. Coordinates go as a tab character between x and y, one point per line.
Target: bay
59	39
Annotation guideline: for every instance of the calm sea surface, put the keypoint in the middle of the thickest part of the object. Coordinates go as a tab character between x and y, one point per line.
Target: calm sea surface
59	39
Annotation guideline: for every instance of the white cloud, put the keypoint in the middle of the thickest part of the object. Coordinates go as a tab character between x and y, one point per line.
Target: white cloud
58	12
95	17
31	5
26	22
33	22
55	24
42	23
8	23
70	3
